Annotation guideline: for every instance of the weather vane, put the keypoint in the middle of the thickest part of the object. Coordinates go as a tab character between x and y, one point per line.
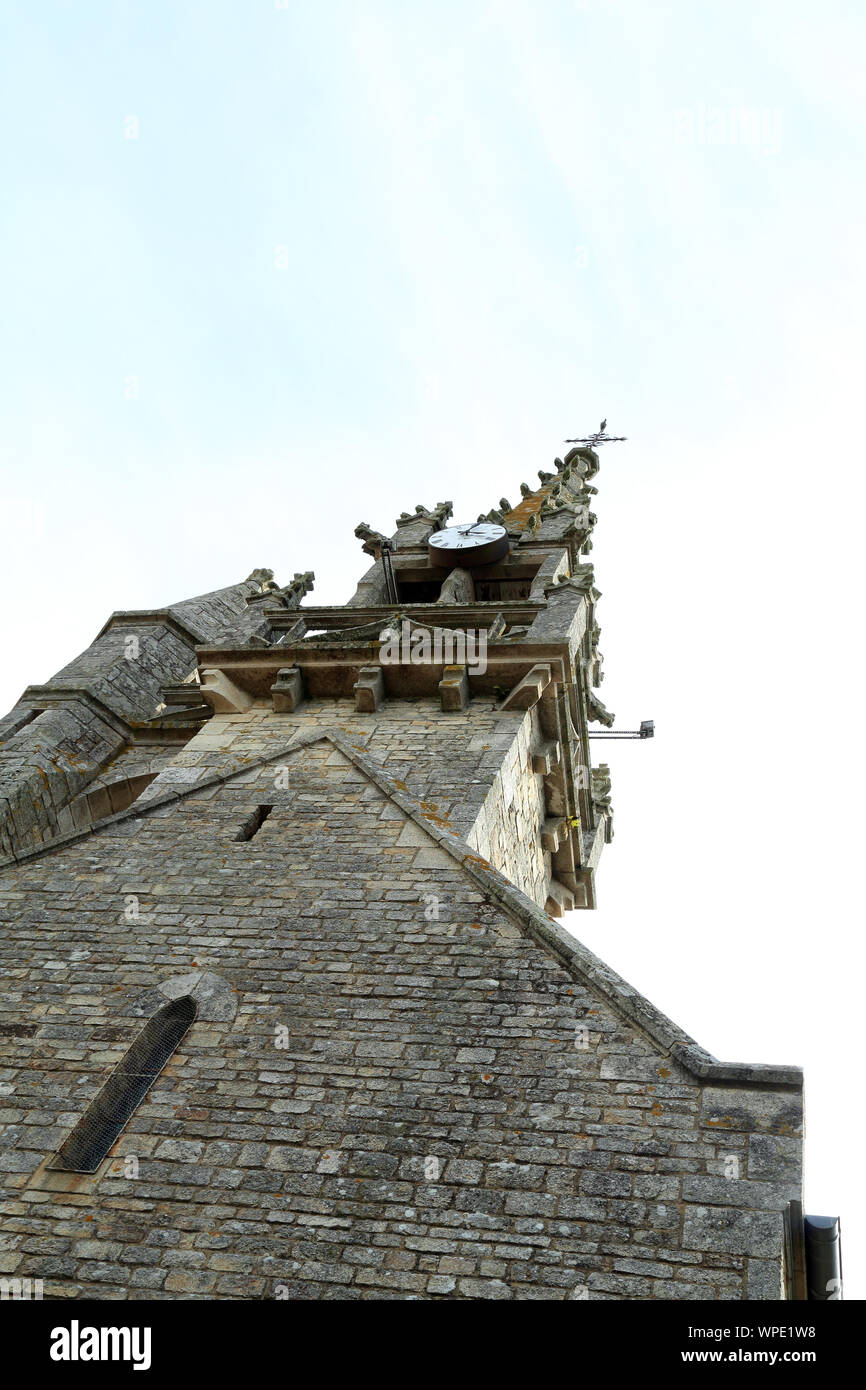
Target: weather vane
593	440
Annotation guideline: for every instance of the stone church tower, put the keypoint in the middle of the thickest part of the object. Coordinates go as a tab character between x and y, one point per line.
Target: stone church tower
287	1010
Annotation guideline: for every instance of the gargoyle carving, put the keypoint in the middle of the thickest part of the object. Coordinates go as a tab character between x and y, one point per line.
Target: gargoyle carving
596	711
437	516
595	674
373	540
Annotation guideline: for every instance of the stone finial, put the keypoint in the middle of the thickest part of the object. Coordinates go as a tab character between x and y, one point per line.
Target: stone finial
436	516
300	585
504	504
545	477
584	460
307	578
264	578
374	541
525	490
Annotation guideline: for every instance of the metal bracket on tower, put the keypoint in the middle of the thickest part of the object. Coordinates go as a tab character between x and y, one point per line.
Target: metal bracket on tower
647	730
390	581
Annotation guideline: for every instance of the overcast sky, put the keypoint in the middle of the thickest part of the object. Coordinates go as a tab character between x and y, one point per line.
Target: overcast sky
270	270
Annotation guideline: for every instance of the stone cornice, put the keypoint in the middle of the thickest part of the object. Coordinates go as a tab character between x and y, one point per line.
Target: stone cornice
42	696
441	615
330	670
160	617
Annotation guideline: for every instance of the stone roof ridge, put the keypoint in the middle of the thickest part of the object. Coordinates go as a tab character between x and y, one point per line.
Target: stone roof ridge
588	967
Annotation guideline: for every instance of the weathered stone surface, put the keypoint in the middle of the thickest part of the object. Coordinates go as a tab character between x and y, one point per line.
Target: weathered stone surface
404	1079
733	1231
774	1112
763	1280
775	1158
309	951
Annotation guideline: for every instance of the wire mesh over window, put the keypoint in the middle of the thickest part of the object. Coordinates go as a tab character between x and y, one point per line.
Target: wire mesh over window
109	1112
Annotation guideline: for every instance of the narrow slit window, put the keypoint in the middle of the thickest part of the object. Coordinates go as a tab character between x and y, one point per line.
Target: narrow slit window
254	822
111	1109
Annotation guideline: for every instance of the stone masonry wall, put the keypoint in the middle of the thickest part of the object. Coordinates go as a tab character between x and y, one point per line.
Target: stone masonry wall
470	772
507	831
45	764
402	1092
47	761
450	763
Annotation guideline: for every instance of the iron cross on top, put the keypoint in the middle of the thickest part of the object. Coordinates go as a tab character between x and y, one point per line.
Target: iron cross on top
600	437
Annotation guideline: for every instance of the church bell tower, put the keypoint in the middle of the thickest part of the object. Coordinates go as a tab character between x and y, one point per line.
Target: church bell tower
289	1013
491	622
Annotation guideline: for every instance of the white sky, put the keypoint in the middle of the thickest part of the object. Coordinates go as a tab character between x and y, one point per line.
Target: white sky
499	222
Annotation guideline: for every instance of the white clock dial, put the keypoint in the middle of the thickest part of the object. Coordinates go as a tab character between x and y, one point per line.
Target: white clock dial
464	537
474	543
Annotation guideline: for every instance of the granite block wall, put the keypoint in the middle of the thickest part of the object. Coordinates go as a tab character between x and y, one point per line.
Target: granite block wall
404	1081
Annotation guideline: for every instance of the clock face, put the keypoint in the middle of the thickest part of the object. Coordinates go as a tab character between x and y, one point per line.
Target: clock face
475	543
